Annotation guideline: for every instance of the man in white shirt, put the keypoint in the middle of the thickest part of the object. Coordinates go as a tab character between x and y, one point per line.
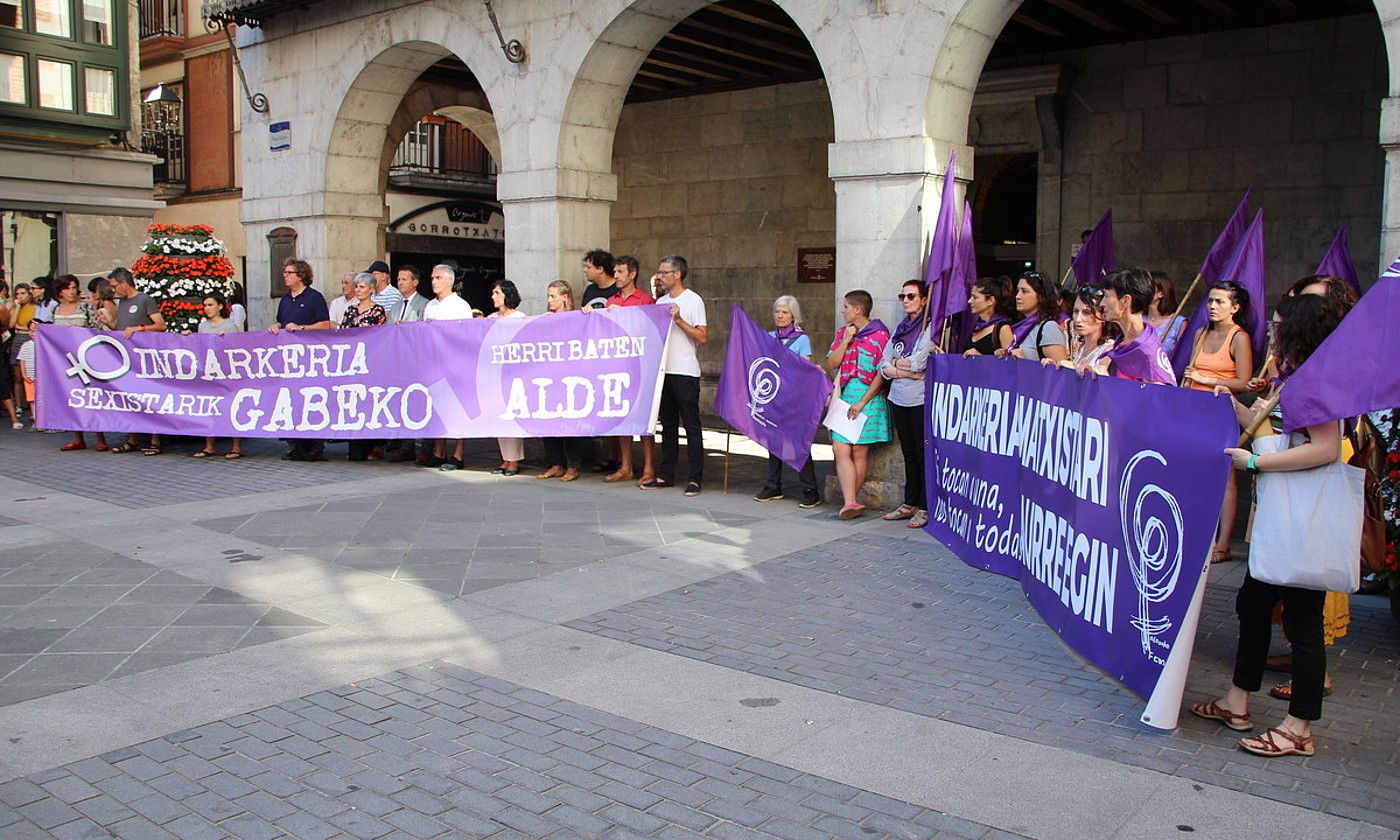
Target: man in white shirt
446	305
680	387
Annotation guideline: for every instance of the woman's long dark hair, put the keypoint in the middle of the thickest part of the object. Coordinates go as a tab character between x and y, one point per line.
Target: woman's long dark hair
1239	296
1000	290
1047	295
1305	321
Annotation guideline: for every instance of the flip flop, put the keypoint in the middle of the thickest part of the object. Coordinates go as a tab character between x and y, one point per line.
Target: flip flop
202	453
1213	711
233	456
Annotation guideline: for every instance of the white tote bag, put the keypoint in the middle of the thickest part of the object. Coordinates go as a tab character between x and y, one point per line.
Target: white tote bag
1307	524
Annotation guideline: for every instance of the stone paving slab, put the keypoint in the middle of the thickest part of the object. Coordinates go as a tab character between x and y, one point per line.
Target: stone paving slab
460	539
73	614
900	622
438	751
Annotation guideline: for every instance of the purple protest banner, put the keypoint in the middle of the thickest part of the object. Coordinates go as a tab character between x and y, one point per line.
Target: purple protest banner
770	394
570	374
1099	495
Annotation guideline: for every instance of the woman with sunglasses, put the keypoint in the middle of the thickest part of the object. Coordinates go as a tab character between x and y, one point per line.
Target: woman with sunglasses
902	364
992	303
1222	357
1038	334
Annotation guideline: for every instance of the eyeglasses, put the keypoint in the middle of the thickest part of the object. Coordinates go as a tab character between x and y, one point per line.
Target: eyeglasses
1095	292
669	271
907	295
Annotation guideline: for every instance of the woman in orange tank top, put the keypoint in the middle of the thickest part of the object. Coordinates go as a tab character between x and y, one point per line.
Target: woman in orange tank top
1222	356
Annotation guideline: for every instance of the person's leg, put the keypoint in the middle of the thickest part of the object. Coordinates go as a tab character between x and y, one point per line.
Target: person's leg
807	477
775	474
648	458
512	452
1220	551
845	471
689	402
911	441
1302	622
670	416
624	460
572	452
553	457
209	447
1254	604
237	447
860	458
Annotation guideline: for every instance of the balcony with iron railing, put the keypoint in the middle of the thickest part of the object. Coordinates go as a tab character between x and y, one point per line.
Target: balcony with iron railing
439	154
162	19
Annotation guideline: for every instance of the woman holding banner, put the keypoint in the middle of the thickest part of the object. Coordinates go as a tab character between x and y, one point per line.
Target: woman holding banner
902	365
70	311
992	303
855	356
1304	322
562	455
506	298
1092	335
1037	335
364	312
787	328
214	323
1221	357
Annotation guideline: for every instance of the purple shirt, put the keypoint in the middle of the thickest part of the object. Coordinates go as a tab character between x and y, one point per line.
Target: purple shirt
1142	359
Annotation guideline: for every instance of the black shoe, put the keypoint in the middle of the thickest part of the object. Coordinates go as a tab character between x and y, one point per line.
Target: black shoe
450	464
692	489
293	456
432	462
608	467
657	484
809	501
768	494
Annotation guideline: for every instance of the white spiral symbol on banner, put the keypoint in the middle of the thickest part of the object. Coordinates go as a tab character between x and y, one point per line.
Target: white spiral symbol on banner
764	383
84	370
1152	543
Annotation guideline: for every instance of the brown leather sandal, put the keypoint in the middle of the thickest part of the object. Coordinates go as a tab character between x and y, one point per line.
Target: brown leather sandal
1214	711
1279	742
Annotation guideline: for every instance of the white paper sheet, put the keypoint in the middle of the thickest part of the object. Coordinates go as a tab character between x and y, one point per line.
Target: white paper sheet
837	421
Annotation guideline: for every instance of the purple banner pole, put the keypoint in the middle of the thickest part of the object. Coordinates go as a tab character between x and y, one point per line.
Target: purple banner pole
571	374
1100	496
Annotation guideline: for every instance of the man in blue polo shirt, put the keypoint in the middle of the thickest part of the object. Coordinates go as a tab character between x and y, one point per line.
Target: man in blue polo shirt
301	308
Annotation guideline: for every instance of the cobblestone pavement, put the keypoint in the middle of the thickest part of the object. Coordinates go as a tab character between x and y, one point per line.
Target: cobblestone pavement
901	622
72	614
438	751
452	540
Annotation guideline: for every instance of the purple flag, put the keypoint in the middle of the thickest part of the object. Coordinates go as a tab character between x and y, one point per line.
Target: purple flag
963	277
770	394
1357	368
1221	251
942	251
573	374
1337	261
1096	256
1099	496
1246	267
1143	359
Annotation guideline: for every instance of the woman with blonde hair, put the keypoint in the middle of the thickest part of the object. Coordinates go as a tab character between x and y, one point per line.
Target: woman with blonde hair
562	455
787	328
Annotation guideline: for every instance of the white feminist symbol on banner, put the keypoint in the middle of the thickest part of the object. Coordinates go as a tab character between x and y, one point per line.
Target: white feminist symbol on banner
84	371
764	383
1153	547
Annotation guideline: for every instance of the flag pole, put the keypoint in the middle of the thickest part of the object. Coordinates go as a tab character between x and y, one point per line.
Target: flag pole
1195	351
1261	416
1065	279
1189	291
1264	368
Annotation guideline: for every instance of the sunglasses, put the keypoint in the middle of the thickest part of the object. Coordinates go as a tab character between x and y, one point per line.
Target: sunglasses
908	295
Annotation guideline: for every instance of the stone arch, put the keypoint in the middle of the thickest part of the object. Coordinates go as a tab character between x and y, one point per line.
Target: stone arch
961	57
605	73
469	108
1389	13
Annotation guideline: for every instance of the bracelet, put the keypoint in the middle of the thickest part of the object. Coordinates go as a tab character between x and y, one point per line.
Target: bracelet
1252	465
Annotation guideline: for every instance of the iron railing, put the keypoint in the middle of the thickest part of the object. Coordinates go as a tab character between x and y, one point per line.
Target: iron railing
438	146
160	18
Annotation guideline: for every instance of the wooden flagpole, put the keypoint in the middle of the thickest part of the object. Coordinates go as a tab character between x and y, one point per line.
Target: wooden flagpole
1261	417
1190	290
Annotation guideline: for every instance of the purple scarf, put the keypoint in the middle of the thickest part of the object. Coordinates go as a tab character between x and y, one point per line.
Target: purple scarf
903	340
1142	359
1023	328
788	333
871	326
995	319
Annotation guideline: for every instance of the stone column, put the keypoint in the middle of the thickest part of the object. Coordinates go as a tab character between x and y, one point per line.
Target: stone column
887	198
1390	191
553	217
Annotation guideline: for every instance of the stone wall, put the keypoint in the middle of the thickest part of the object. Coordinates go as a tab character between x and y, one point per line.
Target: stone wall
1170	132
736	183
